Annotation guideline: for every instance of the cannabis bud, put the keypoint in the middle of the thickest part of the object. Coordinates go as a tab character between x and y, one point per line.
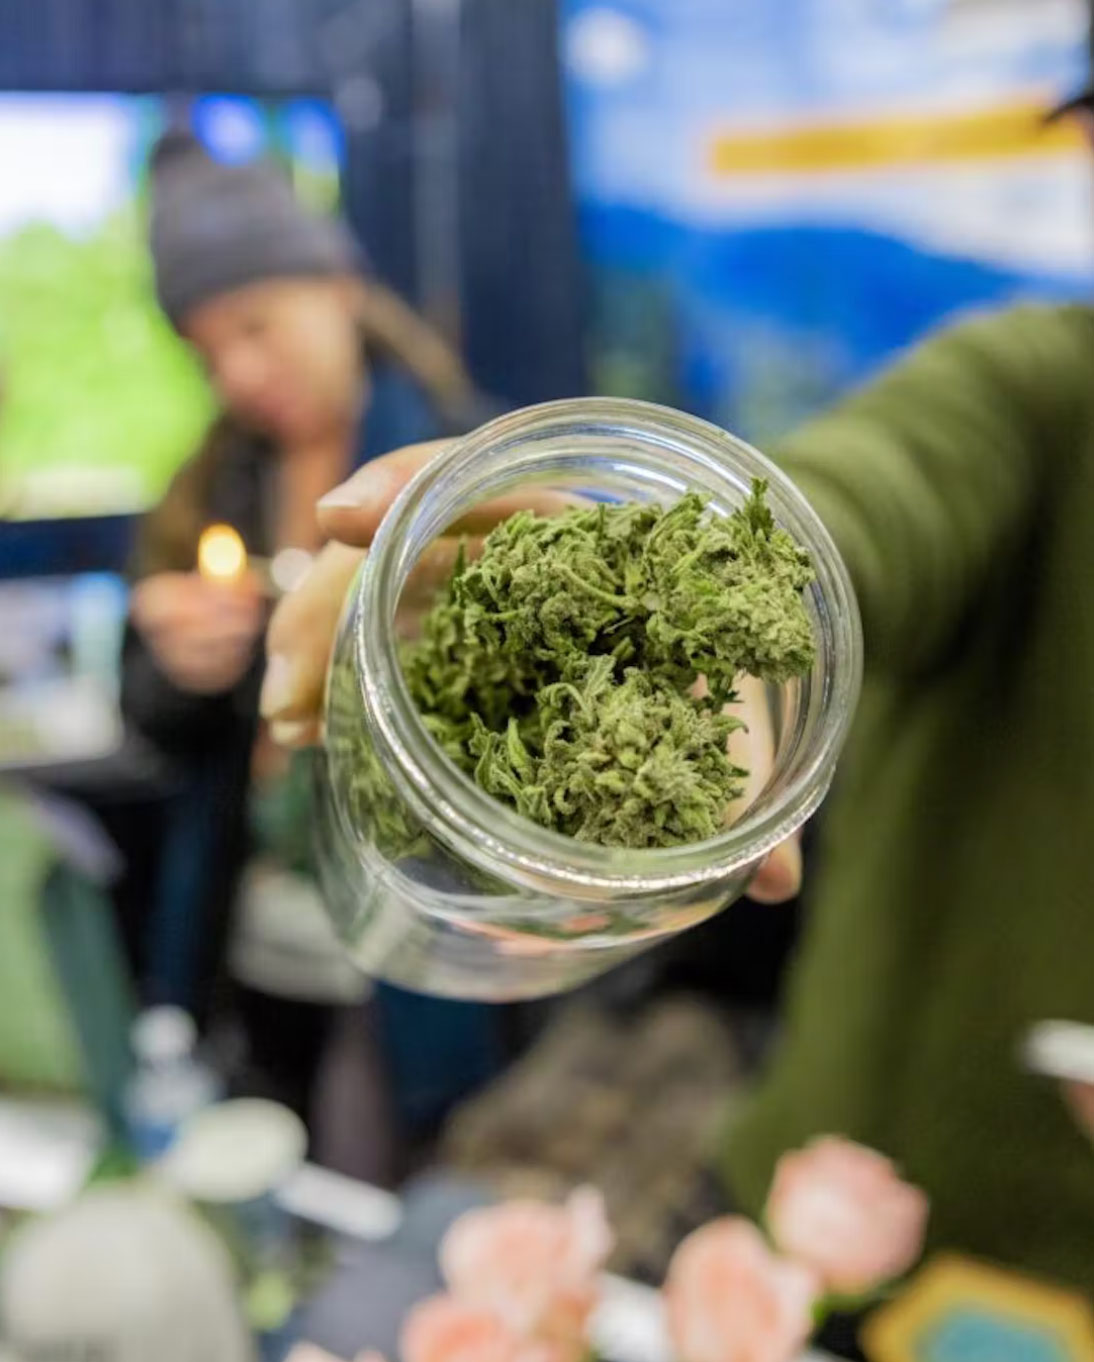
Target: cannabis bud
559	669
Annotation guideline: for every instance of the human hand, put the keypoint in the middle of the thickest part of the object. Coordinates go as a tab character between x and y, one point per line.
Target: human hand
201	633
1080	1099
302	630
1064	1051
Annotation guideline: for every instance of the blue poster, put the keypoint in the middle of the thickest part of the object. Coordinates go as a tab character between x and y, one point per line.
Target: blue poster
774	199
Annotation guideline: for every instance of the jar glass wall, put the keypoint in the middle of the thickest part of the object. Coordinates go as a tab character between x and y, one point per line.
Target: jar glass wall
435	885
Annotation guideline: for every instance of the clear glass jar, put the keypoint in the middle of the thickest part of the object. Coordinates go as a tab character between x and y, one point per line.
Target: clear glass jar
432	883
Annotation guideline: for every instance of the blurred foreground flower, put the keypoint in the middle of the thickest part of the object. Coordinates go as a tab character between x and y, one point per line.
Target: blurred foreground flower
536	1266
447	1329
524	1277
842	1210
730	1299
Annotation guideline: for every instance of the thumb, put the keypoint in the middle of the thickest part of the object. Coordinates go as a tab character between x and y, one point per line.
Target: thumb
351	513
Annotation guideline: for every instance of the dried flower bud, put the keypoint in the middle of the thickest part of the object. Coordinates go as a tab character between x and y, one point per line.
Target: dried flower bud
559	667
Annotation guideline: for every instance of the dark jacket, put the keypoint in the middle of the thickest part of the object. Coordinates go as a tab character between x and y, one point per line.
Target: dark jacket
232	479
210	738
953	906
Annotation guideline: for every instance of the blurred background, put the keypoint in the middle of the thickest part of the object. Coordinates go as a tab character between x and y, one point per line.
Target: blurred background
738	208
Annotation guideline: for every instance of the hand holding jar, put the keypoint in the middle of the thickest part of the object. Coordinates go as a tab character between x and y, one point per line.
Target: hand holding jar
544	460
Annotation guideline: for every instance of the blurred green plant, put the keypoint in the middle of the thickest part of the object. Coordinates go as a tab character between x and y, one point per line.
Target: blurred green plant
99	400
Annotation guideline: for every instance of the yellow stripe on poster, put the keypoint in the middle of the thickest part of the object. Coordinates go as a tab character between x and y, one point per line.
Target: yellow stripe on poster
1007	131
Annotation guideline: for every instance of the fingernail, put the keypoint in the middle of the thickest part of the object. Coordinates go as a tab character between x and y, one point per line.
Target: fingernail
277	687
343	497
367	486
292	732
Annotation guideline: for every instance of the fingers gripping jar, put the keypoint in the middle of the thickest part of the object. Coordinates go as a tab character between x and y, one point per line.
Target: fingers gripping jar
432	883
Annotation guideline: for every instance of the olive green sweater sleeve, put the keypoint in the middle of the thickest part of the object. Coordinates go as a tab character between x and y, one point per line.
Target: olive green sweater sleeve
928	477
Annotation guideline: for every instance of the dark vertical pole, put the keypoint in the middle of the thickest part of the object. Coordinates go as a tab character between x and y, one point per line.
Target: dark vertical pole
522	313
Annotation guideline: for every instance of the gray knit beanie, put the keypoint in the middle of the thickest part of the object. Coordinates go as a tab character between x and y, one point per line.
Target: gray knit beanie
215	228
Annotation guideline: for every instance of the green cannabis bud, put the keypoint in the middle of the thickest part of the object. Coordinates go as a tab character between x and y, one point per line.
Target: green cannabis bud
560	667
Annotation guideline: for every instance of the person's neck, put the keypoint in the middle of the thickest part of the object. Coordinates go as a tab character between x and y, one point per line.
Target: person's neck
307	470
332	447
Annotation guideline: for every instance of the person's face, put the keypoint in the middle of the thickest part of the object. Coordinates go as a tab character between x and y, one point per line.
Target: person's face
283	355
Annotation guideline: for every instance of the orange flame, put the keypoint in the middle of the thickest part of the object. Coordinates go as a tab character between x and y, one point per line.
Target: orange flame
222	556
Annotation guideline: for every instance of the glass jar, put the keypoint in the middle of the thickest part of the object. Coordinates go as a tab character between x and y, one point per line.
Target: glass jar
435	885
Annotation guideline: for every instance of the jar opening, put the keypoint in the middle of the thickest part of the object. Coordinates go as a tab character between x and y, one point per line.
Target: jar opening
602	448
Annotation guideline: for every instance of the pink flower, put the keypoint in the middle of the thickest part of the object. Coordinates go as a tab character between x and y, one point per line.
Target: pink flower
537	1266
730	1299
445	1329
841	1209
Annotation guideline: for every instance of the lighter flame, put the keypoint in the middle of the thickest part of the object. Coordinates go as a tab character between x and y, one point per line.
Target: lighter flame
222	556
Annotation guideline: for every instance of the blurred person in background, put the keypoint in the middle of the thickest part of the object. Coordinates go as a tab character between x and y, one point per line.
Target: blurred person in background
952	905
292	328
277	303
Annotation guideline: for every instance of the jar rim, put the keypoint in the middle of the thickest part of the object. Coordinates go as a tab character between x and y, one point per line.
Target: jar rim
479	827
